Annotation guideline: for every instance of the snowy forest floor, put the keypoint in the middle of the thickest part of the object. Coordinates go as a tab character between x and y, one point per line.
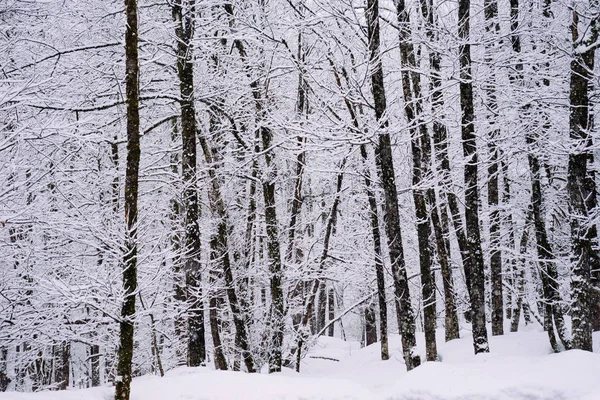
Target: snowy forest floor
519	367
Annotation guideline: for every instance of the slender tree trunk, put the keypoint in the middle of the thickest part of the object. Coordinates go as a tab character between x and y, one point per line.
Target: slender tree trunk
331	311
322	306
213	314
315	287
275	267
516	316
62	371
477	281
387	177
511	266
421	152
370	326
4	379
95	365
492	28
549	275
268	186
123	383
184	31
180	295
581	184
220	249
379	272
447	197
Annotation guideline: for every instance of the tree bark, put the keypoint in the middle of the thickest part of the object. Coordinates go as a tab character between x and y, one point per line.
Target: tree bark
123	381
477	280
492	28
421	153
63	369
370	326
581	185
331	311
388	180
220	248
184	31
516	316
446	196
213	317
95	365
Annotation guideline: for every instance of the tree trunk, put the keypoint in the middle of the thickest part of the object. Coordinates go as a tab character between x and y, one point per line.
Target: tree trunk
213	314
331	311
316	287
180	295
322	306
220	247
370	326
421	152
387	177
95	365
184	31
476	272
514	325
492	28
447	197
123	383
581	185
549	275
268	186
62	371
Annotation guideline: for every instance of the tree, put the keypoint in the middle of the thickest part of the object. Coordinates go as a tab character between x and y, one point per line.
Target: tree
388	181
475	270
581	183
123	384
184	31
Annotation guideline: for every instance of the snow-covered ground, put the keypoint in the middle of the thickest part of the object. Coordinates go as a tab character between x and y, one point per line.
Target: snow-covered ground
520	367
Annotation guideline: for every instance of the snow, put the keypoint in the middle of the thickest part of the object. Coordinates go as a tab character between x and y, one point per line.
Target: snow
520	367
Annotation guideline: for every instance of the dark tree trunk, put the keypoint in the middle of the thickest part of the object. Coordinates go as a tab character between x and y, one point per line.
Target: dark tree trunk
123	384
95	365
476	272
379	272
213	317
4	379
275	270
370	326
421	152
322	306
492	28
387	177
581	185
331	311
294	252
184	31
62	370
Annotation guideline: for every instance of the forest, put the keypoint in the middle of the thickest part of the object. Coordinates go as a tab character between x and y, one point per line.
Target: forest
225	184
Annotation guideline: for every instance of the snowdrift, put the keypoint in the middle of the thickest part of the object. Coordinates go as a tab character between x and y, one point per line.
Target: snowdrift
520	367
